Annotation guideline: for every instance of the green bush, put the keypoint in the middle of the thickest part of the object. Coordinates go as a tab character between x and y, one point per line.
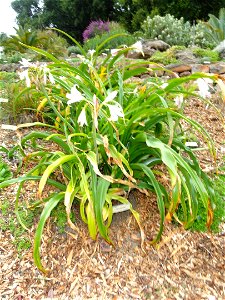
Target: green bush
24	35
215	28
12	57
176	31
73	50
20	100
200	37
206	54
166	57
111	136
169	29
115	28
52	42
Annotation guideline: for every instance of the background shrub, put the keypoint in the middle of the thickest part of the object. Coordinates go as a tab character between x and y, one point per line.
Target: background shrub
95	28
169	29
114	28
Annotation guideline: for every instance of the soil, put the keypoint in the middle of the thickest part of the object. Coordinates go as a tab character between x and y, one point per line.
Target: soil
183	265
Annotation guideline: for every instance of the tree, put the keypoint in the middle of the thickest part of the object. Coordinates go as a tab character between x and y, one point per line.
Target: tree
190	10
71	16
132	13
28	13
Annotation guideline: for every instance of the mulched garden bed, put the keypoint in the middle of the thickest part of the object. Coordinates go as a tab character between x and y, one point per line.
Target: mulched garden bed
184	265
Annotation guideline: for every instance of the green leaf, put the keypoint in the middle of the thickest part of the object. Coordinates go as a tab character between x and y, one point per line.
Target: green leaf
159	193
60	161
52	203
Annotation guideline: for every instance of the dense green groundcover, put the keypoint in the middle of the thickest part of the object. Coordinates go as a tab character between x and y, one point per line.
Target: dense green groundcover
112	135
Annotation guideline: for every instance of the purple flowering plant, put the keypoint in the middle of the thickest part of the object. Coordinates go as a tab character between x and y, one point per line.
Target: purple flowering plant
94	28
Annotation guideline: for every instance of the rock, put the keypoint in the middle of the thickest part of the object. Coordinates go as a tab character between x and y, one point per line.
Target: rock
186	56
148	48
179	68
148	52
186	73
155	70
154	44
221	47
135	55
9	67
200	68
217	68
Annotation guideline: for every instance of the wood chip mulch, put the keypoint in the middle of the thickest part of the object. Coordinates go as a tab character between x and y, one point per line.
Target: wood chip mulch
183	265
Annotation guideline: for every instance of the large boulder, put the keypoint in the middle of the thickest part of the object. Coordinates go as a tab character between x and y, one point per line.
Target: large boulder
155	44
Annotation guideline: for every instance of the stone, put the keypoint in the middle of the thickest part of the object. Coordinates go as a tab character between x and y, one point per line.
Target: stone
156	70
148	48
9	67
186	56
186	73
135	55
179	68
154	44
217	68
200	68
221	47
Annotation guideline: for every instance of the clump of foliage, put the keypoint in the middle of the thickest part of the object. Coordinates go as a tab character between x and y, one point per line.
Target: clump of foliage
11	57
73	50
215	29
167	28
95	28
218	208
19	103
20	236
199	36
51	42
24	35
111	135
178	32
48	40
123	38
5	172
166	57
212	56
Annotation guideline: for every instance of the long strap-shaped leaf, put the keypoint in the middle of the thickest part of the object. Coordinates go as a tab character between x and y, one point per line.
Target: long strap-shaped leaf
38	234
27	178
159	193
60	161
99	201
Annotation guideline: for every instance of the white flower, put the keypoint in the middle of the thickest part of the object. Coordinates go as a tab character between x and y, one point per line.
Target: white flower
114	52
203	85
164	85
47	74
74	95
179	100
25	63
82	120
4	100
51	78
25	75
137	47
116	111
111	96
91	52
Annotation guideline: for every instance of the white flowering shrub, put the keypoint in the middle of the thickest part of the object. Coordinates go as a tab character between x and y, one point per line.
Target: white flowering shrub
169	29
176	31
199	36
